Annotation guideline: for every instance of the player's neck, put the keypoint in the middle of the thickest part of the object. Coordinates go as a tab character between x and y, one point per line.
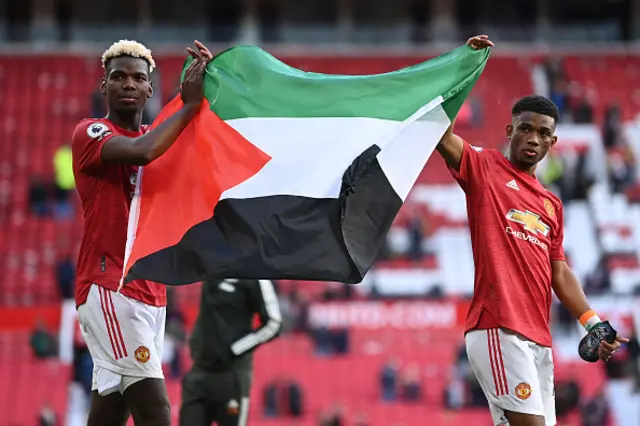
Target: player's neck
528	169
131	122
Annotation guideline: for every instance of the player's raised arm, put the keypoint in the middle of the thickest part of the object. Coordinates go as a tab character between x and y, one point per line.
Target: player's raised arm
451	145
146	148
450	148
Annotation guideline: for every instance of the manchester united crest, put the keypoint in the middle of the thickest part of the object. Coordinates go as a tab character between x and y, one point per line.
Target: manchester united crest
549	208
523	391
142	354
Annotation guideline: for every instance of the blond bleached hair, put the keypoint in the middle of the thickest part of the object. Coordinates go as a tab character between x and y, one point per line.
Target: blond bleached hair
128	48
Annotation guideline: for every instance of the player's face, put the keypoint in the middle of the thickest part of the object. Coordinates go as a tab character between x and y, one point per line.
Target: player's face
126	84
531	135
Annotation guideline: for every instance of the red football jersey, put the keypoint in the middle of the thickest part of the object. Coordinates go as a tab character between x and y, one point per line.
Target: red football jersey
517	230
106	191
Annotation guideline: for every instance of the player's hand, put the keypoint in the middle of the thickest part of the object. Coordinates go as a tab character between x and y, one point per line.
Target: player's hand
192	88
607	349
201	53
479	42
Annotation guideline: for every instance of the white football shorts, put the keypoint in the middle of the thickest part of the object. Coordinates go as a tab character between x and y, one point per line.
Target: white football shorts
124	337
515	374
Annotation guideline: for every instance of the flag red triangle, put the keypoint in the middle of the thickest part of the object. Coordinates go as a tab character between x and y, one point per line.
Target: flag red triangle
182	187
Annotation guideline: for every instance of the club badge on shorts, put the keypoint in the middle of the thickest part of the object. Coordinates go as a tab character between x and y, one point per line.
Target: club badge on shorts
523	391
142	354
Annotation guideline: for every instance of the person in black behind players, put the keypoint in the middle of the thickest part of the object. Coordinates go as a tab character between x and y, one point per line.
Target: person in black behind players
222	344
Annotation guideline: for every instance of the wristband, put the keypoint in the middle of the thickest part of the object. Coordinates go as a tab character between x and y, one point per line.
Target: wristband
589	320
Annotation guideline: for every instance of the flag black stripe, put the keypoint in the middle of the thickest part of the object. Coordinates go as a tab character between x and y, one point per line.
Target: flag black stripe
285	237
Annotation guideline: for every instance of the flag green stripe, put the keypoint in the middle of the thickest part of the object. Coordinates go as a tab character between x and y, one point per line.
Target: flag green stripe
246	81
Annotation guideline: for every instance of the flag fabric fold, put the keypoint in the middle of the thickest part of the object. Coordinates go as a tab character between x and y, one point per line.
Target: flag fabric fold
286	174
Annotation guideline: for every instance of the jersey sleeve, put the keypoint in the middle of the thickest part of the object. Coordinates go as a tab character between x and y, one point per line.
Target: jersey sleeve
264	302
88	139
473	167
557	239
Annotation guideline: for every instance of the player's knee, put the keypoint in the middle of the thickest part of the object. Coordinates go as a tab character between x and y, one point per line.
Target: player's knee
156	413
149	403
109	410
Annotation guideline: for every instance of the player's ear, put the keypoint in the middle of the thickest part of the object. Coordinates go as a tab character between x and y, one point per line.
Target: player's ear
554	141
508	130
103	87
150	91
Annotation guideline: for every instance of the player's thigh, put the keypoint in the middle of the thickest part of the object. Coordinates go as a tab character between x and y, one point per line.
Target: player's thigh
234	407
109	410
522	419
149	403
121	336
196	408
505	366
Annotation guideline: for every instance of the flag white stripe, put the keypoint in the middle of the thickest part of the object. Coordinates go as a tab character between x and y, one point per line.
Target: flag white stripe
404	157
310	155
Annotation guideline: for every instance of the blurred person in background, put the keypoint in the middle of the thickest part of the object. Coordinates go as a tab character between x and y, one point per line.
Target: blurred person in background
389	381
48	416
282	397
583	111
333	416
66	276
418	229
552	175
43	343
596	411
621	162
612	127
634	359
98	104
361	419
38	197
411	383
175	334
65	182
568	396
82	362
223	341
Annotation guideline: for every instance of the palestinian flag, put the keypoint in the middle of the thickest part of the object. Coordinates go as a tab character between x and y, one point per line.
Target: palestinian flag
286	174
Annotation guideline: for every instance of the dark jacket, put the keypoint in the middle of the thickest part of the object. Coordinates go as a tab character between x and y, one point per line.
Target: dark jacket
223	337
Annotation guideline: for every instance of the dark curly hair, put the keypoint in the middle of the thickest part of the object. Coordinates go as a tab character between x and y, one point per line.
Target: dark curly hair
537	104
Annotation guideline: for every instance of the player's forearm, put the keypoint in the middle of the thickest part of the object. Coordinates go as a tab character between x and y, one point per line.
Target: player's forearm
450	148
570	292
257	338
156	142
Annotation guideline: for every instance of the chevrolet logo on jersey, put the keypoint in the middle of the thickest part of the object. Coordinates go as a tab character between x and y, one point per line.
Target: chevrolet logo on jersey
530	220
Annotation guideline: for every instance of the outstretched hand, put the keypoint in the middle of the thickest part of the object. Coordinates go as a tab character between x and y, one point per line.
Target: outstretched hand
479	42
